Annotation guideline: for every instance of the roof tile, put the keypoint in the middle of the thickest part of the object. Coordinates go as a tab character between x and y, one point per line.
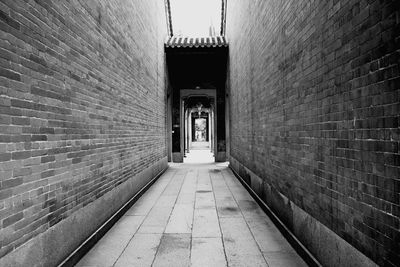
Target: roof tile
218	41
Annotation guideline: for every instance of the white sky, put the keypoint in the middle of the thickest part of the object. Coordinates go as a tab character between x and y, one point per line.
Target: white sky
194	17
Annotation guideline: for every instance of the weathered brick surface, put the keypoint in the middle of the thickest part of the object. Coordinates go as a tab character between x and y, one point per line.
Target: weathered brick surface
82	106
315	90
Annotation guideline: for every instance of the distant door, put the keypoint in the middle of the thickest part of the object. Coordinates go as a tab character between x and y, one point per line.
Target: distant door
200	129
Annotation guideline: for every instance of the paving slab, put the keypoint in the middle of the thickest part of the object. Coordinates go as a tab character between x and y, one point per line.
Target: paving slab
204	200
106	252
221	190
207	252
147	201
173	251
240	247
206	223
228	208
166	201
140	251
267	235
194	215
250	208
158	216
181	219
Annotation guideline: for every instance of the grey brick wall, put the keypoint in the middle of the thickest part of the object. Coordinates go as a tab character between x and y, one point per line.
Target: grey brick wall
314	95
82	106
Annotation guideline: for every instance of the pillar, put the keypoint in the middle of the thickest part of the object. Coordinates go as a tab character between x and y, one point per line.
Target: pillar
190	129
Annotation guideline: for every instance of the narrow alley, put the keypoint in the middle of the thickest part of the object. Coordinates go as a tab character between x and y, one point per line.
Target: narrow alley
199	133
196	214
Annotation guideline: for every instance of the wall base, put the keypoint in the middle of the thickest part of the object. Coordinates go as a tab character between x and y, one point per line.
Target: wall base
329	248
177	157
220	157
54	245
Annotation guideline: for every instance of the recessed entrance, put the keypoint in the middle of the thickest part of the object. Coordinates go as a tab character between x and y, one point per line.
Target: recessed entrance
199	126
196	98
199	129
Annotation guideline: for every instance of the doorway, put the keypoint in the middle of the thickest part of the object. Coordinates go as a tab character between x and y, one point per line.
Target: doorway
197	97
199	123
200	130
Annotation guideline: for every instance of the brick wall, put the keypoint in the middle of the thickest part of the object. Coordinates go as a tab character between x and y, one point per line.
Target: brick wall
82	107
315	90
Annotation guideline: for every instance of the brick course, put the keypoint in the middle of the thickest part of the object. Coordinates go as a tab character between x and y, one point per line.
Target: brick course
82	106
314	86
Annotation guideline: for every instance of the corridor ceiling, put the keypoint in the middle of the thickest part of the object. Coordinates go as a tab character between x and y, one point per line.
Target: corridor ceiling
194	101
197	67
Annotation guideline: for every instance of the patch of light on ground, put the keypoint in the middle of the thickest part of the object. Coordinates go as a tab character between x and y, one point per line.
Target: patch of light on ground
199	153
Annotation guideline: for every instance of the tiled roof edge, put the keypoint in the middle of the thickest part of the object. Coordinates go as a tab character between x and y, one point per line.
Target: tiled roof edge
189	42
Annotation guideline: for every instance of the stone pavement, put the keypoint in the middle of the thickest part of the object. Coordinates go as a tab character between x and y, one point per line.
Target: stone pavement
194	215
